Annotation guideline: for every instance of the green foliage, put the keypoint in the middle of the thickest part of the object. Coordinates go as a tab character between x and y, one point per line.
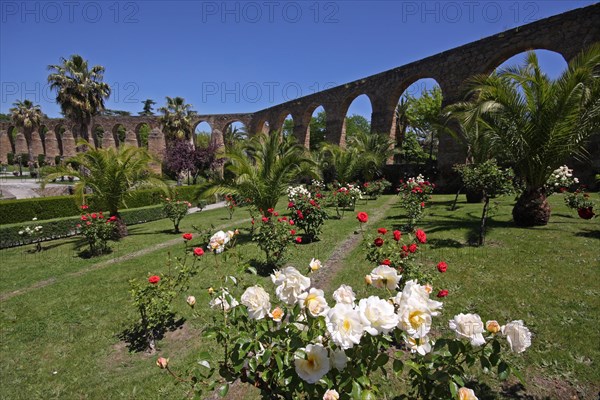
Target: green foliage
374	189
308	215
176	119
97	231
10	158
175	210
487	177
273	236
357	125
578	200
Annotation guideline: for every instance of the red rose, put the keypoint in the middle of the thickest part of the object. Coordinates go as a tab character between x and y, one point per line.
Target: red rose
154	279
397	235
270	210
198	251
252	222
421	236
422	204
412	248
378	242
362	217
442	266
83	218
278	219
187	236
298	239
293	232
386	262
112	219
382	231
265	219
319	195
84	207
284	218
442	293
405	248
291	222
276	214
290	205
94	216
88	223
312	202
586	213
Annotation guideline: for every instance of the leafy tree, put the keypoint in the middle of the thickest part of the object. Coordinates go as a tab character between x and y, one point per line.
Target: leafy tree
233	134
288	127
357	125
318	130
27	116
424	116
176	118
337	163
538	121
80	91
114	113
147	110
4	117
111	175
374	150
182	157
144	132
262	169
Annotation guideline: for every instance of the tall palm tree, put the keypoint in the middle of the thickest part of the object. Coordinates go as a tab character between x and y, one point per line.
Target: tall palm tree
537	121
79	91
262	169
177	118
374	149
111	174
27	116
344	164
234	134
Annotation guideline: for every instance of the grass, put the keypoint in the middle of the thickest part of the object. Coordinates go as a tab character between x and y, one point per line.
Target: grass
62	340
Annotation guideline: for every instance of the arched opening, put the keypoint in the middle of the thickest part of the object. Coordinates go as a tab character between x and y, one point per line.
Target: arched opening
358	117
262	127
418	123
234	131
551	63
318	128
98	135
202	134
119	134
142	131
59	130
41	149
287	128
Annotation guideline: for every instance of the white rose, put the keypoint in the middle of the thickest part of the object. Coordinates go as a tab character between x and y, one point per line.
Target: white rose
257	301
292	284
575	180
385	276
344	294
418	345
191	300
331	394
414	317
315	365
34	219
412	289
344	325
314	301
224	302
315	265
517	335
466	394
338	359
468	326
377	315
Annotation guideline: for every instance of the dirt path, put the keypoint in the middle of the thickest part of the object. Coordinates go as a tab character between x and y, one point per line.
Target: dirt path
104	264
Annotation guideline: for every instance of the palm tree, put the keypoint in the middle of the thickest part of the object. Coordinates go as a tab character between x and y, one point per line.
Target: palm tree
111	174
374	149
262	169
177	118
344	164
80	91
27	116
234	134
537	121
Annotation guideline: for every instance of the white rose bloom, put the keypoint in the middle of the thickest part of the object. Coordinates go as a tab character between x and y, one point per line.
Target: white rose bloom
385	276
315	265
315	365
338	359
344	325
291	285
314	301
224	301
414	317
377	315
34	219
412	289
466	394
418	345
575	180
21	232
331	394
218	241
257	301
344	294
468	326
517	335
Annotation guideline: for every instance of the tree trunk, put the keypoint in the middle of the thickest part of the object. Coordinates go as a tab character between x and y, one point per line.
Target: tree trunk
483	218
120	227
532	209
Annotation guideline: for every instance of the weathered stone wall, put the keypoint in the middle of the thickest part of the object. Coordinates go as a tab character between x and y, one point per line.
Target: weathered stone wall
566	34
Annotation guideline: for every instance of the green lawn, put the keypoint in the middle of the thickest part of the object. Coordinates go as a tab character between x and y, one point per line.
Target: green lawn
61	341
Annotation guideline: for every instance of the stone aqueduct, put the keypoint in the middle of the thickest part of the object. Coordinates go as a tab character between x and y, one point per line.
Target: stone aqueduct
566	34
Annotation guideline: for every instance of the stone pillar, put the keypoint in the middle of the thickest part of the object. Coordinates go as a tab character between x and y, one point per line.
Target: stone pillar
52	149
108	141
302	132
383	121
5	146
156	147
449	153
21	144
68	142
131	138
36	144
335	126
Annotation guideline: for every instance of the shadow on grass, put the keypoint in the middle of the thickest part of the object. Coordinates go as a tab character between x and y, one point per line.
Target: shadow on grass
262	267
136	339
588	233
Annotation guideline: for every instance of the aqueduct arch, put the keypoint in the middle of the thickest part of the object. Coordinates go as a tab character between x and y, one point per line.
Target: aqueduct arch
567	34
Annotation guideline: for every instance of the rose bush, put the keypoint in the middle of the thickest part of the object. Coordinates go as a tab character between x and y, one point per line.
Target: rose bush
273	235
97	230
414	195
175	210
308	215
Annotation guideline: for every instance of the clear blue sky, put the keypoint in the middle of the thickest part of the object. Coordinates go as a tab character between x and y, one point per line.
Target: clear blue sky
239	56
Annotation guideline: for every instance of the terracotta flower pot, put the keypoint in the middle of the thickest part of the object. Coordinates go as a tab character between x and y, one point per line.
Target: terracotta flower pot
586	213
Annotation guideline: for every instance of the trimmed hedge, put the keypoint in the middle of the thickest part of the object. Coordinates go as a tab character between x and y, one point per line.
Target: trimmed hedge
65	227
44	208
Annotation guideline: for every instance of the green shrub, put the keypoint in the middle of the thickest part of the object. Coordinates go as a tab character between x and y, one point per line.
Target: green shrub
11	158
